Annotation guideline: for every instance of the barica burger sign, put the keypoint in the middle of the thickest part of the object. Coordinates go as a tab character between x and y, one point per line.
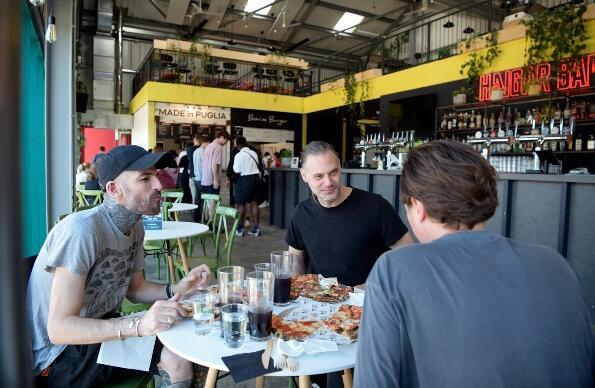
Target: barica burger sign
192	114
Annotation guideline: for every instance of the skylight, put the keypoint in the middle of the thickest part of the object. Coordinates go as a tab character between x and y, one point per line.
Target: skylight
253	5
348	20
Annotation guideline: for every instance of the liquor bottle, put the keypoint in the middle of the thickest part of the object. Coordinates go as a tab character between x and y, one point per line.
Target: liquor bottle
538	116
557	113
508	117
443	122
591	143
472	119
478	120
578	144
492	121
566	113
454	121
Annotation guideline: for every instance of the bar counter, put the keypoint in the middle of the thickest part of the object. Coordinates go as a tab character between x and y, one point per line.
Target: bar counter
553	210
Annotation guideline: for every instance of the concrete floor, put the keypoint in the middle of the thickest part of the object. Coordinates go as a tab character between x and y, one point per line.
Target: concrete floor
247	251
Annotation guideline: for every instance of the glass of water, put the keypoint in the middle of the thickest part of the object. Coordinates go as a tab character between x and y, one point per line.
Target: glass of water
203	312
234	318
263	267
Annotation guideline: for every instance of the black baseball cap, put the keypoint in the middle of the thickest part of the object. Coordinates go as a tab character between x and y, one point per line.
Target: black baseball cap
125	158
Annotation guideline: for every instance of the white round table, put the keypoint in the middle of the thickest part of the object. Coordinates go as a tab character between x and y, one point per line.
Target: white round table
176	230
182	207
207	350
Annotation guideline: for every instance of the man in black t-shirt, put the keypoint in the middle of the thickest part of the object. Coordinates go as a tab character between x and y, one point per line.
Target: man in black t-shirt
342	230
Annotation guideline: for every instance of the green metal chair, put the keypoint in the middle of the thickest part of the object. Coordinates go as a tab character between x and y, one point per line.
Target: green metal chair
227	222
89	197
208	221
158	248
172	196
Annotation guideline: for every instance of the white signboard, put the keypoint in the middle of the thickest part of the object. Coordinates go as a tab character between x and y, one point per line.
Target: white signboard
261	135
192	114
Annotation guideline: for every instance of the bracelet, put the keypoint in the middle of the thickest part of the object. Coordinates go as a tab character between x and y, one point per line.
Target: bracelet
168	290
134	322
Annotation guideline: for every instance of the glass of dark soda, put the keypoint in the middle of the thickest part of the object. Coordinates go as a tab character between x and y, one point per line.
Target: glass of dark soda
260	304
282	262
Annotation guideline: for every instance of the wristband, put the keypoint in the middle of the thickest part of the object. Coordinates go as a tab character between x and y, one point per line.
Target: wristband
168	291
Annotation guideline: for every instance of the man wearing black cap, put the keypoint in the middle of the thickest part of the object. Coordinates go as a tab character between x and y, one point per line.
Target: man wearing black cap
89	262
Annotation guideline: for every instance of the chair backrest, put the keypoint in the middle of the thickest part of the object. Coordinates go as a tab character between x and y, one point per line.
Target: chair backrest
165	206
206	199
175	195
89	197
228	220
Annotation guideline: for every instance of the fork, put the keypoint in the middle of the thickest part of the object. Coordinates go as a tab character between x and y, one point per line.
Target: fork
288	363
280	362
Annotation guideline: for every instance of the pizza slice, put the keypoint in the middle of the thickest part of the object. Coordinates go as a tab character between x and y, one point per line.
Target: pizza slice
294	330
345	321
334	294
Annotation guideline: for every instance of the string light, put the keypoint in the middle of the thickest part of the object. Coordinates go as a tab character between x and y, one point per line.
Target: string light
50	34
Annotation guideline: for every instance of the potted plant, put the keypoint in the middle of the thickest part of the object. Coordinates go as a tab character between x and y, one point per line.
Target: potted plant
478	61
557	36
459	96
82	96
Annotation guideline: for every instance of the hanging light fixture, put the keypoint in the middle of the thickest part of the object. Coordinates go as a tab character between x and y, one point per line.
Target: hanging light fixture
37	3
448	24
468	30
50	34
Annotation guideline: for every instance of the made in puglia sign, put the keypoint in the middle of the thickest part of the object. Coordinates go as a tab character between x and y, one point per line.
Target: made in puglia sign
573	74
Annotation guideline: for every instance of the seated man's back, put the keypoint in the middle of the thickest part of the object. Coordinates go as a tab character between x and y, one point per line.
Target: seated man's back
477	309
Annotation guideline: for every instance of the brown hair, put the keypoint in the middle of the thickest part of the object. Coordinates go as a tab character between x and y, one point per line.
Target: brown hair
222	133
454	183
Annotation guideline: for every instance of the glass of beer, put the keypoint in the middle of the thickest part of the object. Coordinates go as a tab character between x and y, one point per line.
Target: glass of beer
282	262
260	304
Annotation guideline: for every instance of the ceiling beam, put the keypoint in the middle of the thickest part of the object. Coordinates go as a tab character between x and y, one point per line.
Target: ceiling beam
302	19
341	8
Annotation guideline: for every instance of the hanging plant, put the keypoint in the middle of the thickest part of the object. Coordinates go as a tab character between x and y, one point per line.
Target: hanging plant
364	94
557	36
349	90
476	64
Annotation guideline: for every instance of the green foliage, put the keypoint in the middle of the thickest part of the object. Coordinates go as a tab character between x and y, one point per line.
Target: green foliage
355	106
349	90
554	36
364	94
444	52
477	63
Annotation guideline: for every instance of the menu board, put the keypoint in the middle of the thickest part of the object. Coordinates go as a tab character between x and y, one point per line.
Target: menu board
167	131
184	131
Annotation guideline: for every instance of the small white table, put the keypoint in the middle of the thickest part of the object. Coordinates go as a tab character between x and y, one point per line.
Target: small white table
207	350
176	230
182	207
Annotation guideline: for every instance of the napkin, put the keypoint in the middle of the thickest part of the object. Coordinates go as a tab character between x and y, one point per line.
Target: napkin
132	353
356	298
294	348
245	366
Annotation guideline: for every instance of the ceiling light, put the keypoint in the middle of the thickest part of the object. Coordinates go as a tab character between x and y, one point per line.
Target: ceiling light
283	24
50	34
348	20
232	42
468	30
448	24
253	5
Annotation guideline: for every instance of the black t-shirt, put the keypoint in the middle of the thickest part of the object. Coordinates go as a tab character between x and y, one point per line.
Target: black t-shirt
345	241
189	151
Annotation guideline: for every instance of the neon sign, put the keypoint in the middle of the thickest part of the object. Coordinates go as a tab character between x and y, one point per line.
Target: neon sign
573	74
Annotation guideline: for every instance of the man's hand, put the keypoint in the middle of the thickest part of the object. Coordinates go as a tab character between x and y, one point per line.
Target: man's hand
199	277
161	316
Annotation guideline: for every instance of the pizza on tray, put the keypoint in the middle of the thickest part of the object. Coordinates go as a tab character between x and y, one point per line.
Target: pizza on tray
309	286
294	330
345	321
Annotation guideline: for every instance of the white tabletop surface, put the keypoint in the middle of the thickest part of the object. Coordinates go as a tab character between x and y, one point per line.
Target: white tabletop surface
175	229
182	207
207	350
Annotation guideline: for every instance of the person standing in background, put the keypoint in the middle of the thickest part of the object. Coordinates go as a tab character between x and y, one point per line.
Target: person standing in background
189	153
98	155
205	140
211	167
183	177
246	189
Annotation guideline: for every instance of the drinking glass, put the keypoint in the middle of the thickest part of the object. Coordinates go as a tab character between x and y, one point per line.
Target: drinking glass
263	267
234	318
282	265
203	311
260	304
231	284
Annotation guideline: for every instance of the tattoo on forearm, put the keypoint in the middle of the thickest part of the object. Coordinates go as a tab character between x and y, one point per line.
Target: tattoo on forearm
166	381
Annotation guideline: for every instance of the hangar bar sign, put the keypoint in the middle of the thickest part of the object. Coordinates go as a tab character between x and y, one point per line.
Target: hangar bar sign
570	77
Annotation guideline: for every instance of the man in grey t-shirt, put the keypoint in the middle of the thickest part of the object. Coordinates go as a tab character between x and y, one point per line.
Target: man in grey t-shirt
89	262
466	307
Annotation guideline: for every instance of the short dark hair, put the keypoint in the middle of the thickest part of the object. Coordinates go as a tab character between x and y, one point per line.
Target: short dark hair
101	148
197	135
267	153
223	133
456	185
241	141
317	148
206	138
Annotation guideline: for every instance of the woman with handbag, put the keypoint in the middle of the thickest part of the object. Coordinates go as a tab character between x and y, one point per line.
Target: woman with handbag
248	186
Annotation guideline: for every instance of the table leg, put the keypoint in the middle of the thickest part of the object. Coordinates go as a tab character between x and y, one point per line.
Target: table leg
183	255
260	382
176	216
211	380
304	382
347	378
170	259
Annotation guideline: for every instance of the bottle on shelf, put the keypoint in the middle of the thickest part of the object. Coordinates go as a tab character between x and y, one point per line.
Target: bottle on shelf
472	119
566	113
578	143
591	143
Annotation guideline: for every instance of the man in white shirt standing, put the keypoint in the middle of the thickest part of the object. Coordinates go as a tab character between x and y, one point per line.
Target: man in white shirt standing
246	188
197	155
210	169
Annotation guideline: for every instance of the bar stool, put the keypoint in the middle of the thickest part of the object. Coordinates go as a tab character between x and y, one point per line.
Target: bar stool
212	70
